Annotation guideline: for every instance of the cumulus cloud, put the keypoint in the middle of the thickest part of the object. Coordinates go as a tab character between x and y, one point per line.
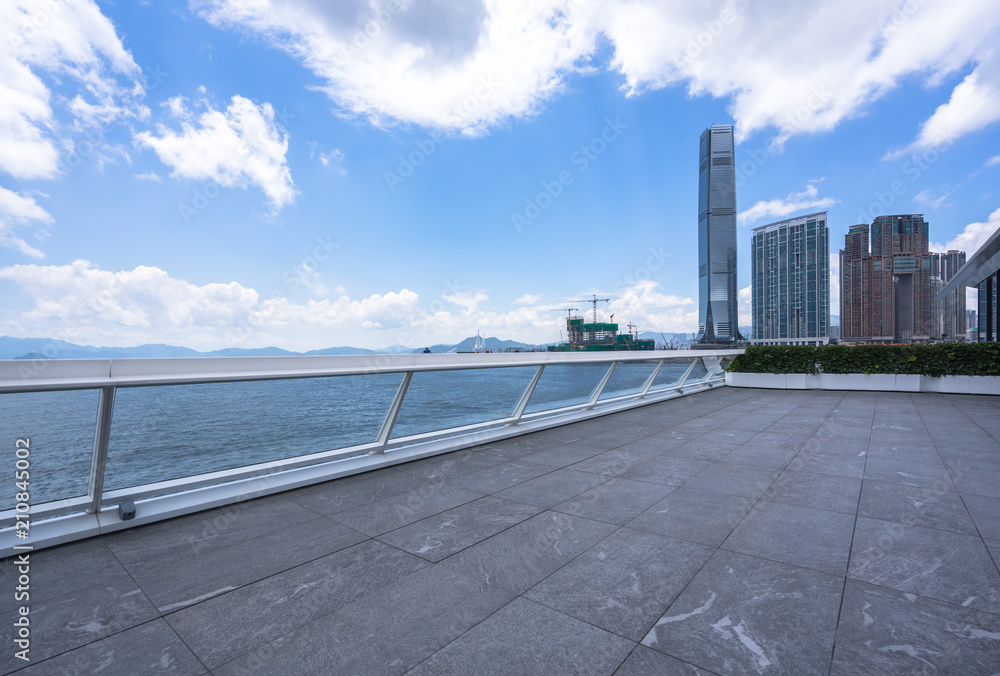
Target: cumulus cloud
744	300
234	148
973	236
528	299
643	304
18	210
974	104
75	45
779	208
470	67
81	302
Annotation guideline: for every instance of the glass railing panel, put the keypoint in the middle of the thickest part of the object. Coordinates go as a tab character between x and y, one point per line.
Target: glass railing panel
700	371
566	385
60	429
439	400
628	378
670	374
169	432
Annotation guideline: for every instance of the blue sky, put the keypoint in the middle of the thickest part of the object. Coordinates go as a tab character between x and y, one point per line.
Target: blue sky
228	173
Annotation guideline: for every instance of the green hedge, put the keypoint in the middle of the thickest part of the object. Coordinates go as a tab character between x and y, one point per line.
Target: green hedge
940	359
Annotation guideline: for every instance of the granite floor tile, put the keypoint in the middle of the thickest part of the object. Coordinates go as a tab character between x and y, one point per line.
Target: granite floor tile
700	449
565	455
550	489
448	465
521	556
527	638
623	583
180	583
669	470
179	539
648	662
839	445
820	491
733	433
406	508
761	457
223	628
612	463
441	535
852	466
883	631
801	536
942	565
724	477
654	445
354	491
615	501
694	516
61	570
928	507
742	614
926	475
985	513
387	632
66	622
151	648
979	482
501	476
905	452
994	548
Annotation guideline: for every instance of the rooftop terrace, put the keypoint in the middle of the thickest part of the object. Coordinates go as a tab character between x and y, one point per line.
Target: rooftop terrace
731	531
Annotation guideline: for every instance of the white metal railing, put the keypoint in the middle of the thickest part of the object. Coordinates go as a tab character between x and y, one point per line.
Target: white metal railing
97	511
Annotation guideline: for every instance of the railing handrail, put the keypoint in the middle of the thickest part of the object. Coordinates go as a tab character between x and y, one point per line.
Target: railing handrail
74	374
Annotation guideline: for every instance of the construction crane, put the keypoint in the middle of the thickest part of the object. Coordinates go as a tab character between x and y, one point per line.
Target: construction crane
567	310
595	300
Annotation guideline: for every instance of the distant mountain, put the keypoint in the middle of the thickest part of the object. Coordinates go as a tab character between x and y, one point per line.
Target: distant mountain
45	348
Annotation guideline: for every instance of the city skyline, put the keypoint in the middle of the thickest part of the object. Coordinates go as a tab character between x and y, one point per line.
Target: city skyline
217	174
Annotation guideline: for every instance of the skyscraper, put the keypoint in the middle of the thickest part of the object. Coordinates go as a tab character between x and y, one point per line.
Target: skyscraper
718	318
948	320
886	295
790	287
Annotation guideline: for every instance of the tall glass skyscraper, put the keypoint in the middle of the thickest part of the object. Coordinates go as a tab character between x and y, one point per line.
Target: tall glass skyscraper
718	319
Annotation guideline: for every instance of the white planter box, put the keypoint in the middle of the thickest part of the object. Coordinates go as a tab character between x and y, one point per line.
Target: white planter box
875	382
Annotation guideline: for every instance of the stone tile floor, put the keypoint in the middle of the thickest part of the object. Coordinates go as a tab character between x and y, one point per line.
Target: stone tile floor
728	532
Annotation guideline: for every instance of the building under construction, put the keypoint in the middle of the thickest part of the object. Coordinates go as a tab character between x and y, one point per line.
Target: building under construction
598	336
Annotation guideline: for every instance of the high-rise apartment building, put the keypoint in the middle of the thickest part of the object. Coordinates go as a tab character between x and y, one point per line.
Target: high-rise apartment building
886	294
718	317
790	289
948	320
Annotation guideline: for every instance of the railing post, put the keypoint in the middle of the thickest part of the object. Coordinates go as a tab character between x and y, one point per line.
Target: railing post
711	374
523	403
99	460
680	383
390	417
600	386
649	381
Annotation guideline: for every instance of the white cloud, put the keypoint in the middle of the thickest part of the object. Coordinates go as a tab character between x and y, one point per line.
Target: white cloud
779	208
992	161
974	104
81	303
929	200
72	44
645	306
973	236
334	158
745	305
19	210
528	299
237	147
149	176
470	67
